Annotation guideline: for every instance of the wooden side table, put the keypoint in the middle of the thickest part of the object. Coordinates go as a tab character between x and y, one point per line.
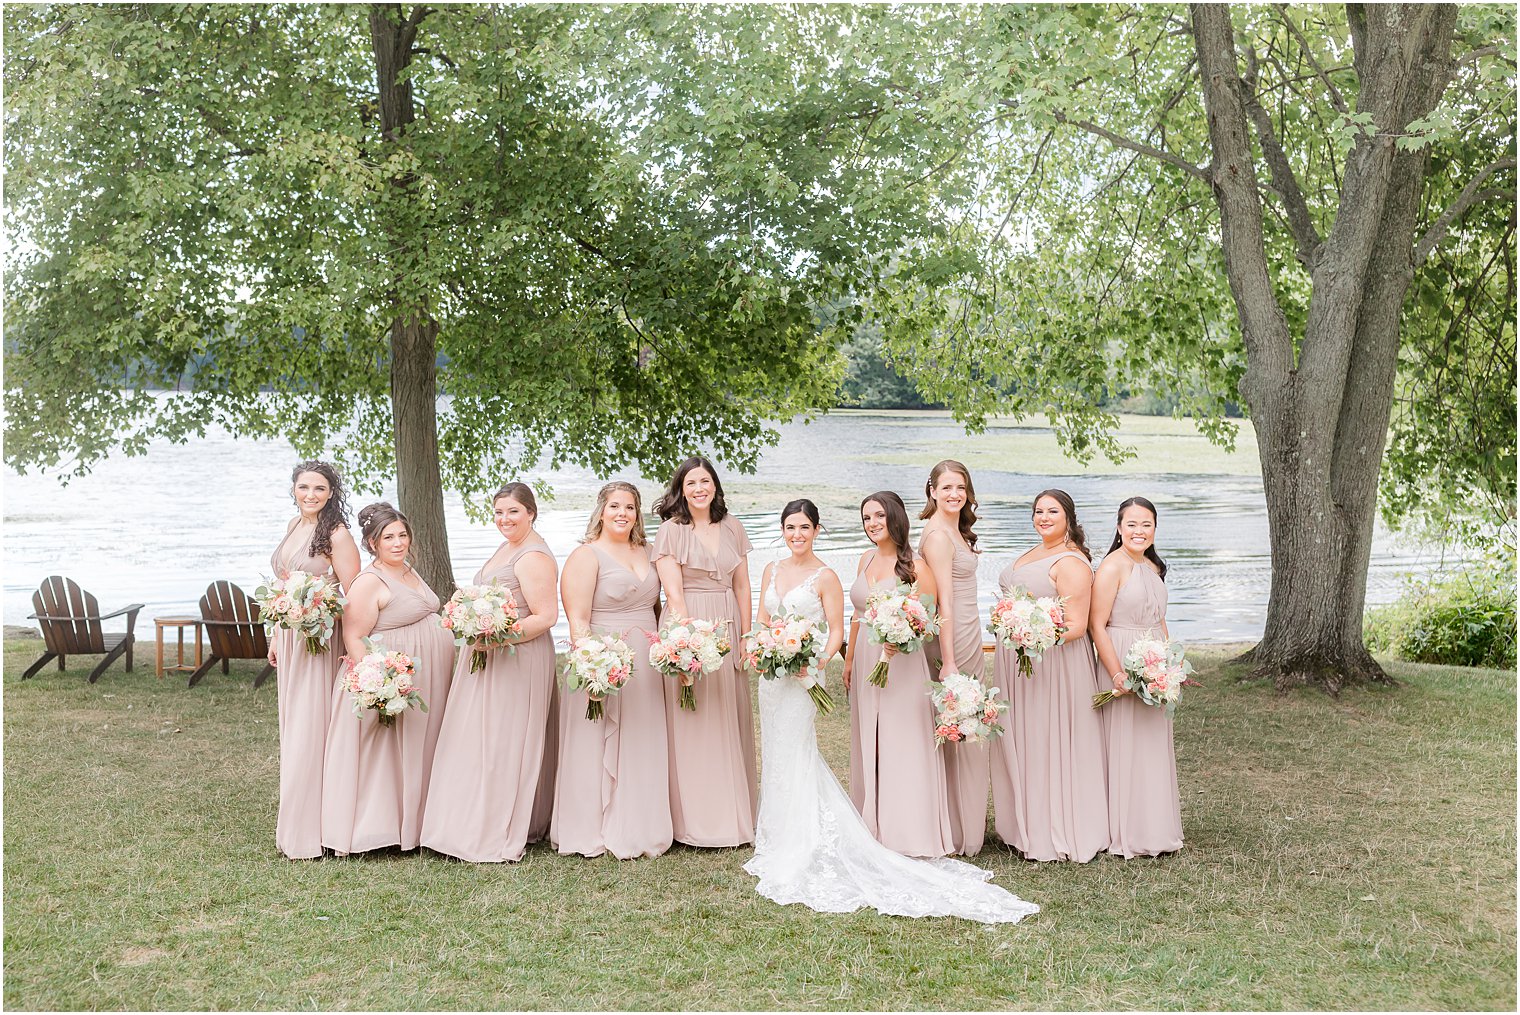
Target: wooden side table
179	624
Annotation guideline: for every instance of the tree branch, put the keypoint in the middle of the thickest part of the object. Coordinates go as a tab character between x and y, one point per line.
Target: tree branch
1284	181
1136	146
1336	98
1469	196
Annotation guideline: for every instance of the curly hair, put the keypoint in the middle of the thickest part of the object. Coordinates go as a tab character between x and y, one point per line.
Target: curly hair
334	514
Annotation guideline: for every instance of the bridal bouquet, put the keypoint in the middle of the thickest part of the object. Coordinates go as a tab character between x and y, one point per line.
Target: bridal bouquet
896	617
964	710
383	681
601	664
482	617
1028	625
303	603
790	646
687	651
1155	671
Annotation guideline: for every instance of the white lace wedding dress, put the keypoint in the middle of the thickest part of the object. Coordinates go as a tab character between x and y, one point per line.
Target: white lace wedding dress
811	845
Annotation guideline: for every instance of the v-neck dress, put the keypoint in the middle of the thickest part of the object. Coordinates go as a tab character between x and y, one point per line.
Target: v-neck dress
968	772
305	684
1050	768
612	793
713	788
897	775
374	786
1144	809
490	760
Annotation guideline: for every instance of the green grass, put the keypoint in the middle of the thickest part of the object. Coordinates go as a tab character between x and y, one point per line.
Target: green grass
1348	854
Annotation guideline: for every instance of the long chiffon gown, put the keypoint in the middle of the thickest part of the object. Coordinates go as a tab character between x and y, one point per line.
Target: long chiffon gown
491	749
374	786
612	794
713	790
1049	769
306	685
968	771
1144	812
897	776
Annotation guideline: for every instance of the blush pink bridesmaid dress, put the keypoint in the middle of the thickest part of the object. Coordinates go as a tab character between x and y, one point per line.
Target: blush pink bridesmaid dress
375	780
612	792
486	772
1049	769
1144	811
306	685
897	776
713	788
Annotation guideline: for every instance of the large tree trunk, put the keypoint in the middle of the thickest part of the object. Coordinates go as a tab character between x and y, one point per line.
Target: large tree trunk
413	332
1322	415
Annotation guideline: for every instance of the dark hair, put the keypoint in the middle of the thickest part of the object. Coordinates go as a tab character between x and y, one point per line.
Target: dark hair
897	531
334	513
968	509
805	506
375	517
1074	534
520	492
1150	551
672	503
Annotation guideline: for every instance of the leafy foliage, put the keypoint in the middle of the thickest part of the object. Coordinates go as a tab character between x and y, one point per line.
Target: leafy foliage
621	233
1467	619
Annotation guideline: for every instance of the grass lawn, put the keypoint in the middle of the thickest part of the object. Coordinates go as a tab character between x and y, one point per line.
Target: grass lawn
1350	854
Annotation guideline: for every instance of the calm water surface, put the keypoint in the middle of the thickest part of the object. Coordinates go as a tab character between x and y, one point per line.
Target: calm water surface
157	529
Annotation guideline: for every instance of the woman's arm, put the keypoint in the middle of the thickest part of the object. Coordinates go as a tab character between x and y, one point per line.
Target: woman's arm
1073	580
344	556
852	644
832	594
763	615
1105	589
367	596
939	554
741	594
675	593
577	588
536	575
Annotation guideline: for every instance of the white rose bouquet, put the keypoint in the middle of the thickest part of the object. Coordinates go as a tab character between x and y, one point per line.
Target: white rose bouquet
482	617
383	681
688	651
304	603
601	664
790	647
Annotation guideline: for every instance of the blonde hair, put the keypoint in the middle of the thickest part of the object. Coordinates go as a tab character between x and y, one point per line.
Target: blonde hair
636	534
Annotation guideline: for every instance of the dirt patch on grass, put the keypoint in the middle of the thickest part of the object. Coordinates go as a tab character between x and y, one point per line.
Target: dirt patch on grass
141	956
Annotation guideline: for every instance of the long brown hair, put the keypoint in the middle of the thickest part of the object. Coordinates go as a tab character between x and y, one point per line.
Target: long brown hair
1074	534
334	514
672	503
594	527
897	531
1150	551
968	510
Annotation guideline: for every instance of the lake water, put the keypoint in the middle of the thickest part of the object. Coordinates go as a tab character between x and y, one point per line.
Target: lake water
158	528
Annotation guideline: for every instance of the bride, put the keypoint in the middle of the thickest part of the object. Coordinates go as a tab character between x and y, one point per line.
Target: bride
810	844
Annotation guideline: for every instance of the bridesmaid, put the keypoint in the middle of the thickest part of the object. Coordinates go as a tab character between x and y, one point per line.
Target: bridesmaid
316	541
948	545
491	751
1049	773
374	782
1129	598
897	776
702	555
612	793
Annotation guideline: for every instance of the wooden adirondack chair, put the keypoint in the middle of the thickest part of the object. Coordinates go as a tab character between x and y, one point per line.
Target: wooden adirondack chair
70	620
234	630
